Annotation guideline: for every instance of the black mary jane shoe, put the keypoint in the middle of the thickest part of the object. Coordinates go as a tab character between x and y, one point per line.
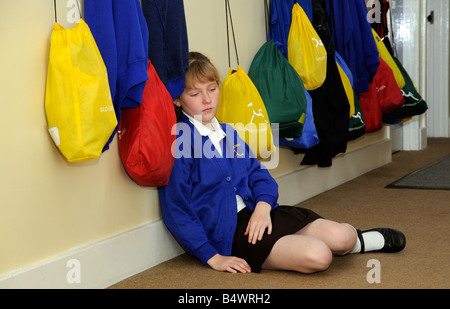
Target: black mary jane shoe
394	241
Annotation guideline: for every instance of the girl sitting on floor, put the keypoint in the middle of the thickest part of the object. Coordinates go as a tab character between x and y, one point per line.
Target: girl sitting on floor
223	207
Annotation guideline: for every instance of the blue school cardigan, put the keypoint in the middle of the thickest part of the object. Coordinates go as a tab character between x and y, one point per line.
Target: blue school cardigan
199	203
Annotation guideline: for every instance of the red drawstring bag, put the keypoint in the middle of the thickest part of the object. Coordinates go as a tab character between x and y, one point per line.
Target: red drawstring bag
371	108
383	97
389	93
145	139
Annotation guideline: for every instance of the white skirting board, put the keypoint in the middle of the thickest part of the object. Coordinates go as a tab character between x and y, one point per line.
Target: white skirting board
310	181
101	264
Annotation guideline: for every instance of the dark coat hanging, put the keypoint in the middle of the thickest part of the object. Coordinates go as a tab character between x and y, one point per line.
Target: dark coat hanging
330	104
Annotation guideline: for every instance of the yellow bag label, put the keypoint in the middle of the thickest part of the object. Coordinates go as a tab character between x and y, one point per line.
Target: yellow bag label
78	105
242	107
348	89
306	52
384	53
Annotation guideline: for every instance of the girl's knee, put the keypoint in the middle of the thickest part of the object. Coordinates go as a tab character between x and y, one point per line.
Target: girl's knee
319	258
346	238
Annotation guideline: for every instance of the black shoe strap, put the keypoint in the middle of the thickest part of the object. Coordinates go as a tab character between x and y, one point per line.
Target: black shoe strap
361	240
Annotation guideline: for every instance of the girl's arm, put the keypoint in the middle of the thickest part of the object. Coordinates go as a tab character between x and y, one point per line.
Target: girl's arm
178	215
264	187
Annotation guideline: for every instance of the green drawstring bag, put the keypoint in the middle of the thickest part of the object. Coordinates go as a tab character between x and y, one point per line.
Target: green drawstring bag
414	103
281	89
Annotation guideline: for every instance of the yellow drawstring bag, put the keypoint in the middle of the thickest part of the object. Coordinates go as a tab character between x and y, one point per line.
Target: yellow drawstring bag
241	106
384	53
80	113
306	52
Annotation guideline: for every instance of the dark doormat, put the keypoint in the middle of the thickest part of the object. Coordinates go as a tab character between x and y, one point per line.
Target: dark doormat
435	176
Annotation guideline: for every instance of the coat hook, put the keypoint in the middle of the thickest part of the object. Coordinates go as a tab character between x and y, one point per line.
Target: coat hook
430	17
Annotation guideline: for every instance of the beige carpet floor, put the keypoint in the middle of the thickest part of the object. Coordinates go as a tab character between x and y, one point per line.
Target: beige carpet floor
423	216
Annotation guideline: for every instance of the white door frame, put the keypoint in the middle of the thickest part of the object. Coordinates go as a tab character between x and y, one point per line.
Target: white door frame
437	68
409	30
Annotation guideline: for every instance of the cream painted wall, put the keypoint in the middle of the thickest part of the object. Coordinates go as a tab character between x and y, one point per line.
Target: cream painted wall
207	30
49	206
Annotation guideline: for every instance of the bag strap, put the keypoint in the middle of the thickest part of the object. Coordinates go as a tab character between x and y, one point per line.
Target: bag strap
54	6
394	45
228	13
266	18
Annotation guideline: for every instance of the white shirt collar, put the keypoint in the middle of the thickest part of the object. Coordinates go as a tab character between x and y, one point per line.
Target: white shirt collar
215	136
205	131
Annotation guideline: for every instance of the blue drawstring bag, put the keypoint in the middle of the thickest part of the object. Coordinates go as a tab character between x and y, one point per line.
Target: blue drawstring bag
309	136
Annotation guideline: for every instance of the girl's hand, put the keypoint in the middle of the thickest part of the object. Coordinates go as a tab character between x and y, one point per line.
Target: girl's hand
230	264
259	221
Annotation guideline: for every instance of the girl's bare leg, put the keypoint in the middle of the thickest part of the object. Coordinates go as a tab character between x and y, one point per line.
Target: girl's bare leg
302	253
311	249
339	237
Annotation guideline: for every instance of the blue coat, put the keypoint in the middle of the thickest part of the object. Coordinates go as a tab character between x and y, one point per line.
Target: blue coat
199	203
168	42
121	34
352	36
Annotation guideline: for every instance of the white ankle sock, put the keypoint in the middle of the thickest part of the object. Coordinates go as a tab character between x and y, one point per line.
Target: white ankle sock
373	240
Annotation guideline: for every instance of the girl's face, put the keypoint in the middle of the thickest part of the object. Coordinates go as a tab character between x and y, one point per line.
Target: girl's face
201	101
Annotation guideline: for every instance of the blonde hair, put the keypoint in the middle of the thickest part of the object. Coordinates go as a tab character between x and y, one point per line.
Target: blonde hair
200	70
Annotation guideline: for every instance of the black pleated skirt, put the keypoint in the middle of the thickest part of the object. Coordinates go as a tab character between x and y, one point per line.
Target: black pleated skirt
286	220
